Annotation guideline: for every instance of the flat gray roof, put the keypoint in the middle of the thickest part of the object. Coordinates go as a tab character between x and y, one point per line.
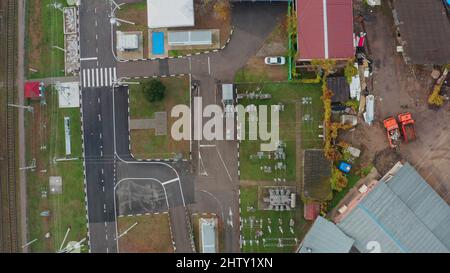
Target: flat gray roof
425	28
208	233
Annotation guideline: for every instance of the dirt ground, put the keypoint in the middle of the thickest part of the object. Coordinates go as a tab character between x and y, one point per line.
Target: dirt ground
150	235
399	88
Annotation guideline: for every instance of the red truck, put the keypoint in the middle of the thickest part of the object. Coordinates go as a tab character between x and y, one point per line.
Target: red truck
407	124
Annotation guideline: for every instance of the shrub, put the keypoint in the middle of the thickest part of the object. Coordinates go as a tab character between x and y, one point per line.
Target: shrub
154	90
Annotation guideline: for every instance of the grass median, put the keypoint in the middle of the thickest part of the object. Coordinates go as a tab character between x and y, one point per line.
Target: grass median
145	144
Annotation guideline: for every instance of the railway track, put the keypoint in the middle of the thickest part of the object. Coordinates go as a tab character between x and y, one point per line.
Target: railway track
8	182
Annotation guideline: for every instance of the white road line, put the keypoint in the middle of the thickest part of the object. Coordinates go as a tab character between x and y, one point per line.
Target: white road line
93	78
106	77
101	77
89	59
84	78
223	162
207	146
170	181
209	65
114	73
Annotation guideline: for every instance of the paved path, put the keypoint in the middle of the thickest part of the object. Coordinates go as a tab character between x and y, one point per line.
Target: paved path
20	90
217	181
253	23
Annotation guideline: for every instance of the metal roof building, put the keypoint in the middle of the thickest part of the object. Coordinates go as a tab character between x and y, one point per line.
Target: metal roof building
173	13
403	214
325	29
340	88
325	237
208	228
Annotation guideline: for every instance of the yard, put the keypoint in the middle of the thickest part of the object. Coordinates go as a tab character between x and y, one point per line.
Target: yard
277	235
150	235
46	144
302	115
144	143
44	29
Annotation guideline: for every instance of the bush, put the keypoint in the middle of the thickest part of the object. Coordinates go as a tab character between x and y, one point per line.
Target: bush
154	90
435	98
338	180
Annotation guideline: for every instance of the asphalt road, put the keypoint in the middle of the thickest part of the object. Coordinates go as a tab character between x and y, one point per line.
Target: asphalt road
106	139
215	162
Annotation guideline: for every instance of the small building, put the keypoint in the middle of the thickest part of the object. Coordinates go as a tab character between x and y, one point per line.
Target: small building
325	237
33	90
227	94
169	14
316	176
208	235
325	29
340	88
311	211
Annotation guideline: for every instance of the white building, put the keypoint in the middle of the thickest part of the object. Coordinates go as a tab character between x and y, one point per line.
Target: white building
173	13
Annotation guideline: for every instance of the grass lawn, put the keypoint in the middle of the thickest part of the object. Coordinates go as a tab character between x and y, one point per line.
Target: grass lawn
144	143
67	209
44	30
289	94
150	235
196	228
249	205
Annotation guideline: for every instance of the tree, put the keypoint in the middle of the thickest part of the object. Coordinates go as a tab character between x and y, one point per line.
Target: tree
154	90
338	180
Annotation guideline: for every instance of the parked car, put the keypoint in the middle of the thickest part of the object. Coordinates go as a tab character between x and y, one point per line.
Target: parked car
279	60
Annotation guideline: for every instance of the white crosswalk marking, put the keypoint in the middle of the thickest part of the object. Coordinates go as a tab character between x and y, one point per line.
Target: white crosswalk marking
98	77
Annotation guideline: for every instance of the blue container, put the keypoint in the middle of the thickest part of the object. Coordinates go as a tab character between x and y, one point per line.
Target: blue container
345	167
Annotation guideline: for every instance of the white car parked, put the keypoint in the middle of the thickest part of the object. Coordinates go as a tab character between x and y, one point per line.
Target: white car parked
279	60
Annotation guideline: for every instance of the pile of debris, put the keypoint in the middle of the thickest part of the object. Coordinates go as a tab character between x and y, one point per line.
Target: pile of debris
72	53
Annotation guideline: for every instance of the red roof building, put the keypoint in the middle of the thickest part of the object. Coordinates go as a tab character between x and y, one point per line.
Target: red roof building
311	211
325	29
32	90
